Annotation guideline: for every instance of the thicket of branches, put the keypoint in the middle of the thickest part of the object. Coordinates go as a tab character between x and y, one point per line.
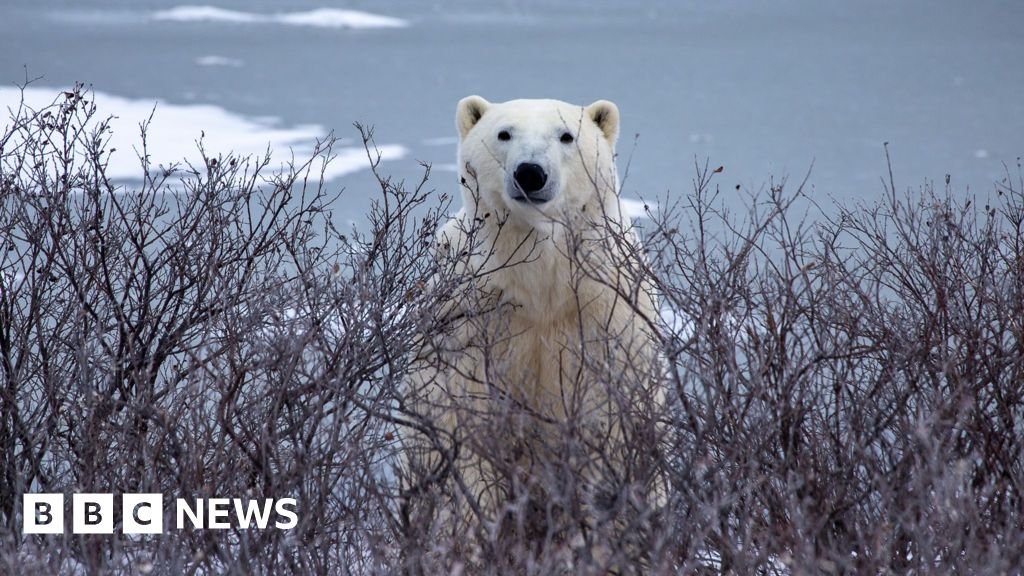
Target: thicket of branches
843	392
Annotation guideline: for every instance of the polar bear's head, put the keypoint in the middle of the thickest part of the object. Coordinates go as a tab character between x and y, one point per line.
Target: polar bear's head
536	158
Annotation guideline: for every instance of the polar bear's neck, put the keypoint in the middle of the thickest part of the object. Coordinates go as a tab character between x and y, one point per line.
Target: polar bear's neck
541	269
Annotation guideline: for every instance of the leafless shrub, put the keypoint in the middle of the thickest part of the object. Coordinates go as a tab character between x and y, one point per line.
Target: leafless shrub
840	393
850	390
207	334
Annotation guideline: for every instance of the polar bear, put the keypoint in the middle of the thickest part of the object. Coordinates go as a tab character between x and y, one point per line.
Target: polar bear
548	314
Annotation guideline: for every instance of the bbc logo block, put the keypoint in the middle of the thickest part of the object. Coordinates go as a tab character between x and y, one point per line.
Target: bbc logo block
93	513
142	513
43	513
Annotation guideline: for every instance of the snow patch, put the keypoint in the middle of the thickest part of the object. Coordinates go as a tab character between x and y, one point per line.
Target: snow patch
677	323
214	60
635	208
318	18
353	159
175	129
205	14
334	18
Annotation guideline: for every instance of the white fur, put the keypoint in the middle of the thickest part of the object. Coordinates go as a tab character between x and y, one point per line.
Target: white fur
548	283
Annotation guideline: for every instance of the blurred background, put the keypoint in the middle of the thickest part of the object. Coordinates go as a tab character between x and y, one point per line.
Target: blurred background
765	89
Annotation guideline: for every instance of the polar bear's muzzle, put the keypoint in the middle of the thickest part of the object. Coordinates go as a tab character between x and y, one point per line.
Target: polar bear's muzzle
530	184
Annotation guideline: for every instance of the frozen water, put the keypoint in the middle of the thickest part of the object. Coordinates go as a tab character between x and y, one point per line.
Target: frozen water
763	89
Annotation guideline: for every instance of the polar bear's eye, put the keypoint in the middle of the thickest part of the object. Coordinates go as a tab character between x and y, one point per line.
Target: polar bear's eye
566	138
504	136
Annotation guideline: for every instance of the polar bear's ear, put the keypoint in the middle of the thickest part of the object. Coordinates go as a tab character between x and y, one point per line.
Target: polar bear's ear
469	111
606	115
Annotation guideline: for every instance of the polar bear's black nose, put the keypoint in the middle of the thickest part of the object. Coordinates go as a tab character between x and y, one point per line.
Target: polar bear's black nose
530	177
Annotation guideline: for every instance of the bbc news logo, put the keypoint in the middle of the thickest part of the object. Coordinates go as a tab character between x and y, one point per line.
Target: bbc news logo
144	513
